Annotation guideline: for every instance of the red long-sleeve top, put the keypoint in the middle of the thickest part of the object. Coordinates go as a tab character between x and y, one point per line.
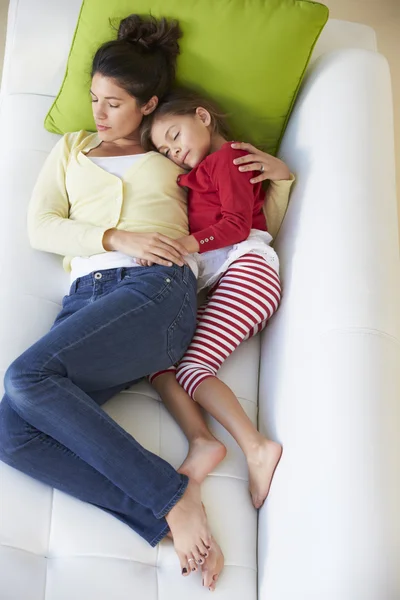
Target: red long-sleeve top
223	206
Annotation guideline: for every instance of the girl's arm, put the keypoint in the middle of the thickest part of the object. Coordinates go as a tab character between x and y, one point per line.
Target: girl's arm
236	196
49	226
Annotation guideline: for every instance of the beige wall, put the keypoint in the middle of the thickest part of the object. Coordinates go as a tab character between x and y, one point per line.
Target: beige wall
3	25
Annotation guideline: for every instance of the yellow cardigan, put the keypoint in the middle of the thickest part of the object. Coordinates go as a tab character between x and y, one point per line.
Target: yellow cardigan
75	202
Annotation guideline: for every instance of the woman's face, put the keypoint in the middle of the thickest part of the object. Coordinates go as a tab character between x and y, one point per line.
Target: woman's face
185	139
116	113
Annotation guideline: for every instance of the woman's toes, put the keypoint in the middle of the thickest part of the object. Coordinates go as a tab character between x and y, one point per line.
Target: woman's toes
205	542
184	565
198	557
213	584
203	549
207	578
192	563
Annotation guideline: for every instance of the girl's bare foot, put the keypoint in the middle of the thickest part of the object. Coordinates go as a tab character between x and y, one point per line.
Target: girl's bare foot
262	463
213	566
189	528
205	453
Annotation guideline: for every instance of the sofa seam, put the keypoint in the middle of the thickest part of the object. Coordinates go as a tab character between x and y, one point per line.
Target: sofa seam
80	556
361	330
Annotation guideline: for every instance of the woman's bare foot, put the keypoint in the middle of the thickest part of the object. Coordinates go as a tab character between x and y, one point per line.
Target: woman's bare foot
213	566
262	463
205	453
189	527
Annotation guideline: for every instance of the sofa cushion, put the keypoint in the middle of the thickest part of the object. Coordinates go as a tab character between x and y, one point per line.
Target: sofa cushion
249	56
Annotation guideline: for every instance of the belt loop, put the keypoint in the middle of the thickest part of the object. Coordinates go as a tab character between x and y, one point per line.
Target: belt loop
76	282
120	274
185	275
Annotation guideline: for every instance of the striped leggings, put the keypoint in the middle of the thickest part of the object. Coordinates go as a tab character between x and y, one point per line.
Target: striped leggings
238	306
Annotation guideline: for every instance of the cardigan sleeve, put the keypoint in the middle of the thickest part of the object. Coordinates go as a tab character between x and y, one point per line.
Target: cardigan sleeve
49	227
276	203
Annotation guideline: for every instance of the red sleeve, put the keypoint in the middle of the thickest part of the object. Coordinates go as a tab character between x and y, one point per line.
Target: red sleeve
236	195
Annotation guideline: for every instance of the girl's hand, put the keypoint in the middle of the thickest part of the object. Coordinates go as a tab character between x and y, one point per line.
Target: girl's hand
271	167
144	263
152	247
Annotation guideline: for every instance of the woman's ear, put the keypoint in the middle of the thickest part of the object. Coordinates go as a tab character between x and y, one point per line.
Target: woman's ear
203	115
150	106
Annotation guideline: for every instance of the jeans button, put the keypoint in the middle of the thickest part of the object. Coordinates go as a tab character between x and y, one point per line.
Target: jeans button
98	275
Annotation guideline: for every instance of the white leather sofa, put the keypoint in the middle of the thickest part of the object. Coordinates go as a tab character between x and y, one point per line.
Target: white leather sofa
329	362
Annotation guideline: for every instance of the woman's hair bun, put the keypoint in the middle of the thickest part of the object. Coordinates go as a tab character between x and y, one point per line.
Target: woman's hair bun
151	33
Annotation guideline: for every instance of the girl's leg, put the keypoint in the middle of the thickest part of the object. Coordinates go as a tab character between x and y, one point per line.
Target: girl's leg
113	339
205	451
245	298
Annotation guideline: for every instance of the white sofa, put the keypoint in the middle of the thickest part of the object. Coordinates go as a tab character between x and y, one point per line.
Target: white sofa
329	361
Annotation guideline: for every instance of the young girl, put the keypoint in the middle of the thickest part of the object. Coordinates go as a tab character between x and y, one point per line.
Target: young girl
229	234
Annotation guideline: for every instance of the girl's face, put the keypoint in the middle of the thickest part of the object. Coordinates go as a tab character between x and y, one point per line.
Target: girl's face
116	113
185	139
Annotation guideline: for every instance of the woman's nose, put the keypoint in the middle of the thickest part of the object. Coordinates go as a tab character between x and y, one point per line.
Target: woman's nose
177	151
99	114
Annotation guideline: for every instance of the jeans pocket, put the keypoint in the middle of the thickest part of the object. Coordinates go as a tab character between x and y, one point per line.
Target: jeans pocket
181	330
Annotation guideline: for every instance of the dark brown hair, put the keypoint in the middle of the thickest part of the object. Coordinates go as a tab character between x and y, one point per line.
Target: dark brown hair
183	101
142	60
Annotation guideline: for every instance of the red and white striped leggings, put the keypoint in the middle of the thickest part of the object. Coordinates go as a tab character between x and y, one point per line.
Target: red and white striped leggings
238	306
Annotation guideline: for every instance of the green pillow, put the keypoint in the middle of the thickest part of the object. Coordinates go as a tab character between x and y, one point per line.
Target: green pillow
248	55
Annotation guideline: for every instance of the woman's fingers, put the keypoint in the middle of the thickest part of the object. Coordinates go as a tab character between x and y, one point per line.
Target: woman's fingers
261	177
245	146
253	158
180	248
254	166
168	253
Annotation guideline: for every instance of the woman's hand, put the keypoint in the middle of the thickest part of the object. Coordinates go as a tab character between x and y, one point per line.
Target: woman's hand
189	242
271	167
154	248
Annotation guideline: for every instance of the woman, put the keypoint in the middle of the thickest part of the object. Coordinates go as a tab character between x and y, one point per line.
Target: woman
98	203
118	320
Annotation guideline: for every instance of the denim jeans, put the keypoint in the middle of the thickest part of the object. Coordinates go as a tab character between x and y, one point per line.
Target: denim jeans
115	327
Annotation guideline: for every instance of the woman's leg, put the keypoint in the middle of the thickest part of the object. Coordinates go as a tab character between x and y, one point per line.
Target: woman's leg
245	298
43	458
128	325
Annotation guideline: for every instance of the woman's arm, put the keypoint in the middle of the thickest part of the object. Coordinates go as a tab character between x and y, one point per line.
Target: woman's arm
281	180
49	226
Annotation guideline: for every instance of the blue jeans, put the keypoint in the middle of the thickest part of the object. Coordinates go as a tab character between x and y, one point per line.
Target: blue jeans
115	327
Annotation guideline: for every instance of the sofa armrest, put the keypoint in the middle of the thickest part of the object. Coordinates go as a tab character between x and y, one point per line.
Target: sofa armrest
330	359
